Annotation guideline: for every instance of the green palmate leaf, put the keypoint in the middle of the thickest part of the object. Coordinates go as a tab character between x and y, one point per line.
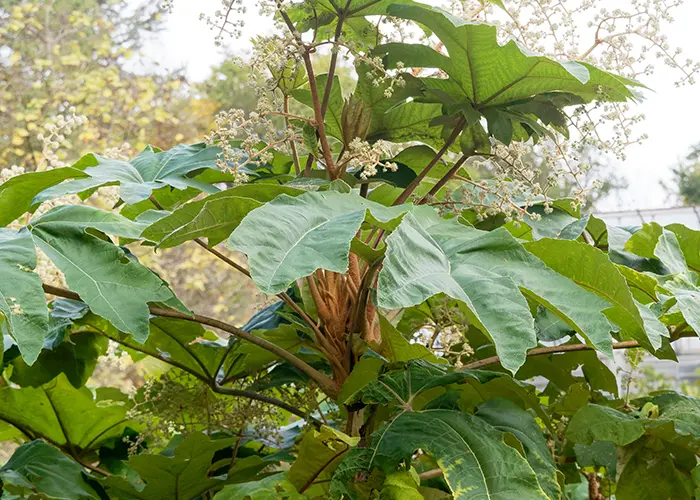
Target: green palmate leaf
402	486
643	242
397	118
683	412
320	452
181	343
677	423
473	455
689	242
140	176
418	157
395	347
474	51
590	268
213	217
114	286
557	224
558	368
642	286
76	356
669	252
599	454
245	357
182	473
600	423
417	383
364	372
166	197
281	237
526	88
84	216
683	284
430	256
22	301
273	487
649	474
62	415
576	397
688	300
16	194
417	268
334	123
37	470
549	327
325	12
474	139
506	417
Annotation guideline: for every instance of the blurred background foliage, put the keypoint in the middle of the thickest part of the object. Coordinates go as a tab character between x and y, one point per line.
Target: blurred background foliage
86	53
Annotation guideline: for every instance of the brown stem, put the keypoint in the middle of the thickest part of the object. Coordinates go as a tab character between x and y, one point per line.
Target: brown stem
414	184
221	256
210	379
320	125
593	486
264	399
331	66
292	144
321	306
539	351
445	178
430	474
360	307
326	384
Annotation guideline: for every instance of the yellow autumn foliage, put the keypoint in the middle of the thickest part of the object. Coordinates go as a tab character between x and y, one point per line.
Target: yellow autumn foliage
75	53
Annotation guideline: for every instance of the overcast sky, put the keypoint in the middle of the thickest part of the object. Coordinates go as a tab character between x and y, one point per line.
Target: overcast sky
671	113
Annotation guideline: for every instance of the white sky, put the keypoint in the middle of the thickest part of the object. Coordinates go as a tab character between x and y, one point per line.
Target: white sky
671	113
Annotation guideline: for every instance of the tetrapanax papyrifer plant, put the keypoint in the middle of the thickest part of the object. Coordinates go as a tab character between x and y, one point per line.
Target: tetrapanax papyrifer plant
432	335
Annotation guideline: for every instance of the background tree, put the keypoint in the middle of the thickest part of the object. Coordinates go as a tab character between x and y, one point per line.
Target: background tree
81	53
685	184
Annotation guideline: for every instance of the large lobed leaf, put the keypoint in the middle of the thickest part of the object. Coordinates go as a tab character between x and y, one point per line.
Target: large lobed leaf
591	268
427	255
37	468
476	459
485	75
113	285
138	178
179	473
290	237
67	417
213	217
